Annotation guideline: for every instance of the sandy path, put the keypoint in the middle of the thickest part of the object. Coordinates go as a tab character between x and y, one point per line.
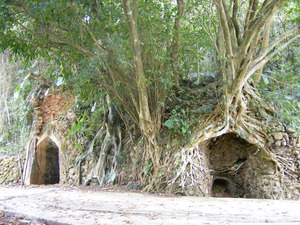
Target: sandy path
75	206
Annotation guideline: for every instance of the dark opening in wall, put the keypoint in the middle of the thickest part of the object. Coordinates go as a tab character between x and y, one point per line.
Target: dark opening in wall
51	175
45	168
228	155
223	187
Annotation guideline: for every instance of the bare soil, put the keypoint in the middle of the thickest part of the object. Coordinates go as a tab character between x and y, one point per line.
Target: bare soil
55	204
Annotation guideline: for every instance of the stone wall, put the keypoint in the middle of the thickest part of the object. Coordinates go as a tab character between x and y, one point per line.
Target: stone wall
10	168
263	179
284	144
280	135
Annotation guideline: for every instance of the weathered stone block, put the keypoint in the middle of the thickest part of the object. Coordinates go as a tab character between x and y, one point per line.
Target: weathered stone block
72	171
278	136
293	141
271	139
290	130
283	143
278	143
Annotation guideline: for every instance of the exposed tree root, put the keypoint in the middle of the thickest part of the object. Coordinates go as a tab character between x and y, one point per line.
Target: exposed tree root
110	135
91	151
248	119
193	171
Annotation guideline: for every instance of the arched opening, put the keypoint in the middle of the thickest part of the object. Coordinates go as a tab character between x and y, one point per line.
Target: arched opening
228	155
45	168
223	187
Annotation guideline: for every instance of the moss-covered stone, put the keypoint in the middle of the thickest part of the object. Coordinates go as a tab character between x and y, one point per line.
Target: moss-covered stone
9	170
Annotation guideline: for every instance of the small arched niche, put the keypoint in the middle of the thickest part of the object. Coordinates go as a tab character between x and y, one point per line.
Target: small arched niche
223	187
45	167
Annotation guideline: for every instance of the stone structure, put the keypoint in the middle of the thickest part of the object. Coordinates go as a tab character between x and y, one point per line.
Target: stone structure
11	169
44	160
51	153
227	166
230	166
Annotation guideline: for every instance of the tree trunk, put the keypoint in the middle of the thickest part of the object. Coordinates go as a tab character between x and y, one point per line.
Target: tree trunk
176	39
148	125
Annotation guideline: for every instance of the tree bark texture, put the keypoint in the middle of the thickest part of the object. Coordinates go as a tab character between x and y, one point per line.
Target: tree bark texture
111	145
148	125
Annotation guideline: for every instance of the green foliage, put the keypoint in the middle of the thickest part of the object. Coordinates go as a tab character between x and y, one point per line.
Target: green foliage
281	85
77	126
181	122
15	133
88	123
290	12
197	51
94	119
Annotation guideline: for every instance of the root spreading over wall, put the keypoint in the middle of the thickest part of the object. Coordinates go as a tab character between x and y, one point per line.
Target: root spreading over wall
227	157
229	166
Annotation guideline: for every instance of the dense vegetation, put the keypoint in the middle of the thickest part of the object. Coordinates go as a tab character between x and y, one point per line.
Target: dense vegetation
168	69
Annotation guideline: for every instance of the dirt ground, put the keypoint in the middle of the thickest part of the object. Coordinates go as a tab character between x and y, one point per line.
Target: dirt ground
56	204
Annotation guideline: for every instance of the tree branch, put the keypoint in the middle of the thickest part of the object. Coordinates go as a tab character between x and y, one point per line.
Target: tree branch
235	23
48	44
55	36
100	47
43	80
257	25
23	40
175	42
207	27
264	60
274	43
228	38
143	111
72	44
225	26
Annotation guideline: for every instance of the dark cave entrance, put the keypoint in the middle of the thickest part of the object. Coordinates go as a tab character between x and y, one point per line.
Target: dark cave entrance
45	168
223	187
228	155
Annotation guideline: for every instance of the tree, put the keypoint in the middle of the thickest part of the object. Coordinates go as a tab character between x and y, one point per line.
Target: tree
236	34
100	39
150	115
240	31
131	51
